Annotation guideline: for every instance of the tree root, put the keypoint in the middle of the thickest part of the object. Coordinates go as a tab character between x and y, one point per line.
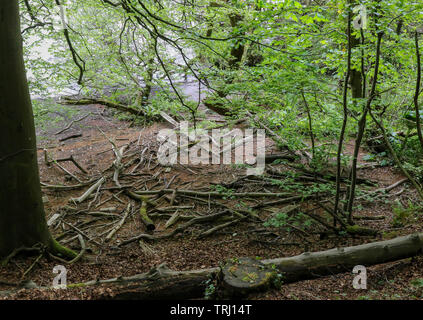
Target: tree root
178	229
57	249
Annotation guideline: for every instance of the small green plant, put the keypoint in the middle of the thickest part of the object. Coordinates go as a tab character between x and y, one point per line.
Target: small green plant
227	193
48	114
403	215
417	282
283	220
278	280
210	289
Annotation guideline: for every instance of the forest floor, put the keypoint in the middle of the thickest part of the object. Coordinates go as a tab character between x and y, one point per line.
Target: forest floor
95	217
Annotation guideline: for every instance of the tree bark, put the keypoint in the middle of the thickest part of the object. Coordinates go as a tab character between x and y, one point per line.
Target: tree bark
356	76
22	217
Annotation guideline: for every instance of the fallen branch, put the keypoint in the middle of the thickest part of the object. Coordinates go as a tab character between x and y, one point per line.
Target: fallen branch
81	253
71	123
214	194
173	219
181	228
109	104
120	224
68	172
72	159
89	191
77	135
59	187
284	201
217	228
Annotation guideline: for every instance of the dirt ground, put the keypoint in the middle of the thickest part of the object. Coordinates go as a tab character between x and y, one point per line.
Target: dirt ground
185	251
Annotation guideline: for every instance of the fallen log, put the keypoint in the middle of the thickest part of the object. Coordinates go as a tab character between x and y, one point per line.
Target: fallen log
318	176
73	136
242	276
106	103
159	283
316	264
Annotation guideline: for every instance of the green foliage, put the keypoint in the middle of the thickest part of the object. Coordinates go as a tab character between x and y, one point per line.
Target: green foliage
403	215
210	291
283	220
227	193
282	61
417	282
48	114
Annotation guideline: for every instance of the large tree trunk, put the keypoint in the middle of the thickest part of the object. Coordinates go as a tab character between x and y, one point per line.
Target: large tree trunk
22	217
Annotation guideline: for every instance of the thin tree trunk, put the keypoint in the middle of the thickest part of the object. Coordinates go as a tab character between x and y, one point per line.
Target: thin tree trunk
416	95
361	128
356	78
345	120
310	125
394	155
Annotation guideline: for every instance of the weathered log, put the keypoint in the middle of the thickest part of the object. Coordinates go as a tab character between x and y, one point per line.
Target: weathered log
316	264
241	276
73	136
173	219
159	283
106	103
244	275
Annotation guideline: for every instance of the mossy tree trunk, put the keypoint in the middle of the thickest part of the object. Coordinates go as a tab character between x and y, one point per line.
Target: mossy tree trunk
22	217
